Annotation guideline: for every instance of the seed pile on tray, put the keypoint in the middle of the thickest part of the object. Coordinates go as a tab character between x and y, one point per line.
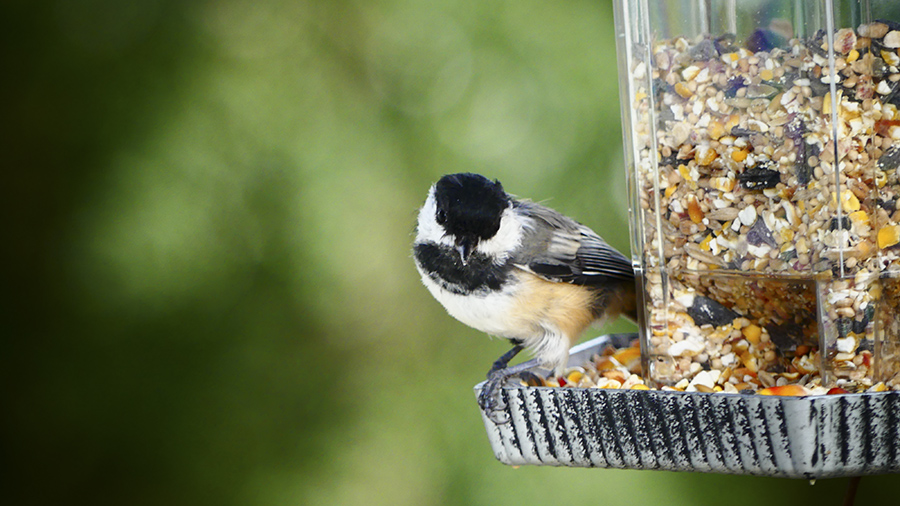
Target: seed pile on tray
761	217
612	368
621	369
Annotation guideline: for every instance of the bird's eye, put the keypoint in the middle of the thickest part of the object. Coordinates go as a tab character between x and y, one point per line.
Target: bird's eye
441	216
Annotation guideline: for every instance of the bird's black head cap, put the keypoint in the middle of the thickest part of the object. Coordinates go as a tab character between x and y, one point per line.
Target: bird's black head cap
470	205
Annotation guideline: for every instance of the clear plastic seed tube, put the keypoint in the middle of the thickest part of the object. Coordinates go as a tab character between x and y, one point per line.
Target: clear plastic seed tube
762	148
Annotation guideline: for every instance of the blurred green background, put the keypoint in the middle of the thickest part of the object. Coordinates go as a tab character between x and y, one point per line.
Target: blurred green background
212	299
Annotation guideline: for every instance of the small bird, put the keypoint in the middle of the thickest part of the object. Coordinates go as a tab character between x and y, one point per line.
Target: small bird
518	270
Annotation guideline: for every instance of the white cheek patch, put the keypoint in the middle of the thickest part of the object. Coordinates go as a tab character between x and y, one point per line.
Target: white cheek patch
427	227
507	238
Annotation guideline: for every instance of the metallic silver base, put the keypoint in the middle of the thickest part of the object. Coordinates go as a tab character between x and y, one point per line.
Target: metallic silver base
791	437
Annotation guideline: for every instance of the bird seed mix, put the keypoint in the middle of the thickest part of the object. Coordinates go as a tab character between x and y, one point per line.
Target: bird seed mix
768	212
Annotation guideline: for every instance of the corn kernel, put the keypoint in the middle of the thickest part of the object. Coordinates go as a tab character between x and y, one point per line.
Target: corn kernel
725	184
715	130
766	75
751	333
574	377
609	383
627	355
749	361
852	56
849	202
640	386
787	235
785	390
864	249
705	155
888	236
605	364
859	217
690	72
739	156
683	90
694	210
878	387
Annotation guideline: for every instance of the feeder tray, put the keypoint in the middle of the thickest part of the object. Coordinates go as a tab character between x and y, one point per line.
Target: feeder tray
811	437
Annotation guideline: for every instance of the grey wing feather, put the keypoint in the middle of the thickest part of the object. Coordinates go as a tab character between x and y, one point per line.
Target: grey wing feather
561	249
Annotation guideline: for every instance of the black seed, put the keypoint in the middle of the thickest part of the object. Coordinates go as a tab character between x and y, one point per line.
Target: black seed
666	115
759	178
764	40
659	86
894	96
704	50
844	223
760	234
879	68
895	90
788	255
776	367
814	43
733	85
890	160
786	336
724	44
844	326
819	88
804	170
888	205
667	160
864	344
787	80
859	326
707	311
892	25
869	312
795	128
741	132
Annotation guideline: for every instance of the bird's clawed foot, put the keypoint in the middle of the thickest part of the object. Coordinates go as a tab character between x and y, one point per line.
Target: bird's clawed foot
491	398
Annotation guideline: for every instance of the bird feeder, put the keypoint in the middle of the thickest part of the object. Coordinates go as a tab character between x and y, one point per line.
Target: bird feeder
762	146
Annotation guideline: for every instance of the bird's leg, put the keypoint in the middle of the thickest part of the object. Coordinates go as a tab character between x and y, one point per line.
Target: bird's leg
503	361
489	399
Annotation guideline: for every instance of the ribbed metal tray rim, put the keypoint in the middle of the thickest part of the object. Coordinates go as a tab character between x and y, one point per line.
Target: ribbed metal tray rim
793	437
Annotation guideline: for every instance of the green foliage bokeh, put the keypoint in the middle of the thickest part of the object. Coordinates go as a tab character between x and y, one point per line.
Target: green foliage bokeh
212	299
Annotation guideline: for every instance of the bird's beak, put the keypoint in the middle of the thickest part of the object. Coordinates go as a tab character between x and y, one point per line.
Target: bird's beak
464	247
